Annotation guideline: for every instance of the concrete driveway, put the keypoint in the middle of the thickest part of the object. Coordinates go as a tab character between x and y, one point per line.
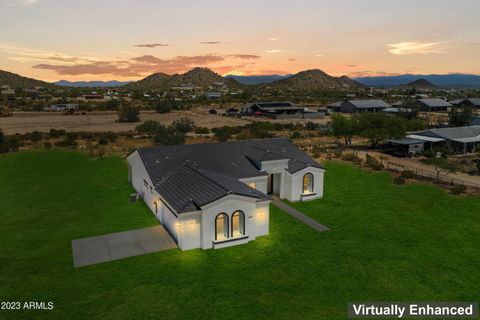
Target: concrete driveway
114	246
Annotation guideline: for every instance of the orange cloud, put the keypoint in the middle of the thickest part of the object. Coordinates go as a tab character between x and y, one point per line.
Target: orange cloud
151	45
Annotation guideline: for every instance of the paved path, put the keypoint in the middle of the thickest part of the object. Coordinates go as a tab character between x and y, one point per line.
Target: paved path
300	216
114	246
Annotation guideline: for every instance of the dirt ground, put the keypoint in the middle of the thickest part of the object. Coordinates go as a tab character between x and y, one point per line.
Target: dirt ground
23	122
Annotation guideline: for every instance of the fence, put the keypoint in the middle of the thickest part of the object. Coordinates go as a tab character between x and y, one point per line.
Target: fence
423	173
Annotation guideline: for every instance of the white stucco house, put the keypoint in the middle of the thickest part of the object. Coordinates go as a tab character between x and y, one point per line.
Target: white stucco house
218	195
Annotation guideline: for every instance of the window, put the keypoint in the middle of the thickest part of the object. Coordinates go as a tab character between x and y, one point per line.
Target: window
238	224
156	206
221	227
308	183
252	185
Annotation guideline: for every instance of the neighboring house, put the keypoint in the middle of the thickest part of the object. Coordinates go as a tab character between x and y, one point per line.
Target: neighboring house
217	195
335	106
456	139
359	106
61	107
466	103
395	110
271	108
433	105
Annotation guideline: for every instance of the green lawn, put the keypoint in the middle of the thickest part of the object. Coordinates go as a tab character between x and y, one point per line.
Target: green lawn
386	243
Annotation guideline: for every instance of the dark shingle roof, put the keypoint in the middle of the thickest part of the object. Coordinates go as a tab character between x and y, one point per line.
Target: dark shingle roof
367	104
190	176
435	103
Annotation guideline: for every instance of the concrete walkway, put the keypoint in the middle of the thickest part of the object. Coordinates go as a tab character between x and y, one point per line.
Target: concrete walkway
300	216
114	246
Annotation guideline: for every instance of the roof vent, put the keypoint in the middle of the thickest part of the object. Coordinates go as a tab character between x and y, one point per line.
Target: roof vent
167	157
157	161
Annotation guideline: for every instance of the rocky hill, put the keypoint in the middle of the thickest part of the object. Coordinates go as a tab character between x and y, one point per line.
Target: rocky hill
197	77
420	84
18	82
316	80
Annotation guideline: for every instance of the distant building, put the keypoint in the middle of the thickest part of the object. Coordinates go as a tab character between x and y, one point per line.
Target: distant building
407	147
433	105
213	95
466	103
335	106
271	108
359	106
8	91
61	107
394	110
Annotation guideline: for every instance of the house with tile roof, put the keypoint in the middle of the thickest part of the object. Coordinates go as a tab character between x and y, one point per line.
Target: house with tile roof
358	106
218	195
433	105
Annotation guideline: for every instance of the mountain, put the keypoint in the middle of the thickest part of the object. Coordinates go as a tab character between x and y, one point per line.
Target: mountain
86	84
420	84
312	80
439	80
252	80
16	81
198	77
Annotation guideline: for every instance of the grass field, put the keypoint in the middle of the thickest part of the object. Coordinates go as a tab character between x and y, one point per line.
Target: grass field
386	242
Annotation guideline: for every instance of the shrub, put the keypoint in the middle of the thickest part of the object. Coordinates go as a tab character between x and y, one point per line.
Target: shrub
295	135
202	130
408	174
169	135
459	189
47	145
112	136
183	124
148	127
70	141
35	136
54	133
373	163
352	157
103	141
399	180
128	113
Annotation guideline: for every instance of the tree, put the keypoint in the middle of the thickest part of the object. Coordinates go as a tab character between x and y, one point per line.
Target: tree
164	106
112	104
440	165
128	113
184	124
149	127
343	127
460	118
169	135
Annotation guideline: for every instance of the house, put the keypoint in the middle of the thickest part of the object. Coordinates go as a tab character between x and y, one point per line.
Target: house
473	103
433	105
456	139
271	108
397	110
217	195
335	106
358	106
213	95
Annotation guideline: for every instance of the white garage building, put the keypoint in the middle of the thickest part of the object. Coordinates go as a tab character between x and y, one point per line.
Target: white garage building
217	195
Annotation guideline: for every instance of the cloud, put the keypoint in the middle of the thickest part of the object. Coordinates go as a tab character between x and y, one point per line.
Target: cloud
25	55
151	45
273	51
244	56
211	42
19	3
292	59
135	66
358	74
405	48
272	39
319	55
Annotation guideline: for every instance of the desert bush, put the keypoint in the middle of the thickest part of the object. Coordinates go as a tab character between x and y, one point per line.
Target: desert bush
352	157
128	113
295	135
148	127
201	130
373	163
399	180
169	135
34	136
408	174
112	136
47	145
458	189
183	124
103	140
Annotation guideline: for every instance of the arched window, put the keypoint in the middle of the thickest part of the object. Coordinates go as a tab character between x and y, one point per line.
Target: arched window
221	227
238	224
307	183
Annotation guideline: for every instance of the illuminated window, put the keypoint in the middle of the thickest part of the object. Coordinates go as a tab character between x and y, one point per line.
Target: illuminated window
252	185
221	227
156	206
308	183
238	224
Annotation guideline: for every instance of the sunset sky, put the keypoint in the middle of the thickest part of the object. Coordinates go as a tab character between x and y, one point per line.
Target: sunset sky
128	40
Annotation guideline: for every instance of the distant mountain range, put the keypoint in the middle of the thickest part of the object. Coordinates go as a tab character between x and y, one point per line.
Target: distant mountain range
86	84
438	80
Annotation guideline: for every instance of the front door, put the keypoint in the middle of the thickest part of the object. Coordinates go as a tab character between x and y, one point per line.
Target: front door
270	184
